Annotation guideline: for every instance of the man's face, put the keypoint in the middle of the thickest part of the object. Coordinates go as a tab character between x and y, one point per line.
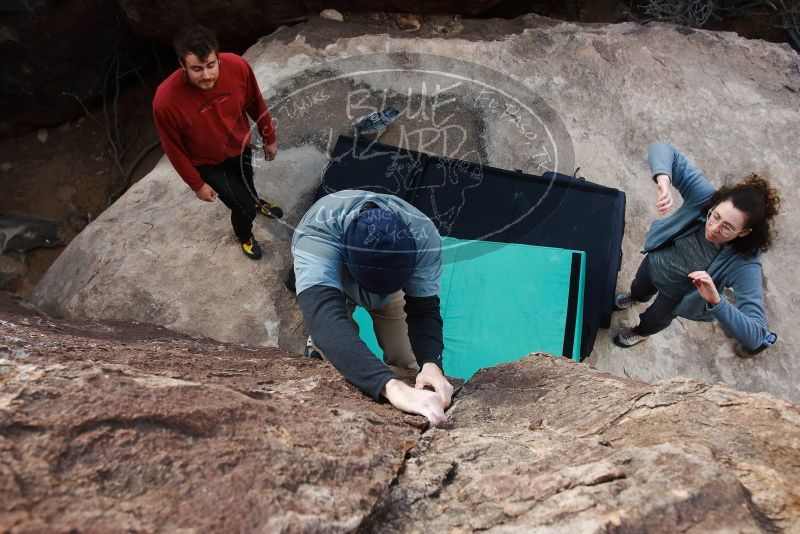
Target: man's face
202	73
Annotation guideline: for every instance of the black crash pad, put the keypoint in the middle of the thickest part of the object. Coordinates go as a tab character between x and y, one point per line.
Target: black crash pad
476	202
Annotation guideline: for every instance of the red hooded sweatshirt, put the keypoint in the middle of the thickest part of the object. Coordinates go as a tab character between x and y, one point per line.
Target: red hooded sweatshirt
200	127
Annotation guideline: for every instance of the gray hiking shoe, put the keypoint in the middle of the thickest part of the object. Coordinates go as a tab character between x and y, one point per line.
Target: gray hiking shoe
627	338
623	301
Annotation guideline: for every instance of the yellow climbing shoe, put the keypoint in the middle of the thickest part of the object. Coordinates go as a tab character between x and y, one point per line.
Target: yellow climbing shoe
251	248
269	209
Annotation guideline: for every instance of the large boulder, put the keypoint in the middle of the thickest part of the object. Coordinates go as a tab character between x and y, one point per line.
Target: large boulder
526	94
128	426
169	258
545	445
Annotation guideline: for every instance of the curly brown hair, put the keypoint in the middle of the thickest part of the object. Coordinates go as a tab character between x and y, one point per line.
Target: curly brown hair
760	203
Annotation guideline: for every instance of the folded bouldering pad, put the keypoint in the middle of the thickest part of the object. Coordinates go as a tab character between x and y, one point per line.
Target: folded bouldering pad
502	301
475	202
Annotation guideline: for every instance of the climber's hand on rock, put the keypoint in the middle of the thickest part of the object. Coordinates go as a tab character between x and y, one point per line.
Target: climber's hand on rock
431	375
665	201
416	401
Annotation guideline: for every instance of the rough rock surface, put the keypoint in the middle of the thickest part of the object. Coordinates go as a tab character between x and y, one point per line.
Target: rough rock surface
545	445
732	105
130	427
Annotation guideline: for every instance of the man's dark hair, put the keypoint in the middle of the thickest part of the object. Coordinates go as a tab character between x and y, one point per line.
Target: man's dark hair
196	40
760	203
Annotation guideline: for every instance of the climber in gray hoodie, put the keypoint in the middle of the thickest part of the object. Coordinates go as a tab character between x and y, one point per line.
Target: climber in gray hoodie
712	242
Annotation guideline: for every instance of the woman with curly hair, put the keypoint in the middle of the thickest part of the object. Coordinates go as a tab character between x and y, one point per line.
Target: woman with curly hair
712	244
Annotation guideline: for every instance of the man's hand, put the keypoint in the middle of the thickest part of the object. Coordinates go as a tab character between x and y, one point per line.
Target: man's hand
432	376
270	151
206	193
705	286
417	401
664	202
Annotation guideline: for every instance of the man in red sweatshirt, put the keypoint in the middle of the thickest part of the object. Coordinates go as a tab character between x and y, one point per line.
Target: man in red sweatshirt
201	113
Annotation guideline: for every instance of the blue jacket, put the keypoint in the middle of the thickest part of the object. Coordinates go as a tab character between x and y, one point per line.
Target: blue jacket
745	320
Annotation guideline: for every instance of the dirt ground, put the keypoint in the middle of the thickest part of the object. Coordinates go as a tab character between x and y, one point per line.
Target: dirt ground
68	173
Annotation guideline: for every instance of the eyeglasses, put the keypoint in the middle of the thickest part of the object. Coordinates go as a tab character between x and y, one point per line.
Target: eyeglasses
725	229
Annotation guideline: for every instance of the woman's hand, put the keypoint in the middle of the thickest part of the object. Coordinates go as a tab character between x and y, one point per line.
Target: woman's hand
705	286
664	202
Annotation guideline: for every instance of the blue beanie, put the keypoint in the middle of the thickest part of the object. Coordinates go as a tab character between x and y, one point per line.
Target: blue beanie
379	250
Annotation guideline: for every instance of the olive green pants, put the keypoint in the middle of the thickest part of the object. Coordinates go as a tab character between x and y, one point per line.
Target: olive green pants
391	331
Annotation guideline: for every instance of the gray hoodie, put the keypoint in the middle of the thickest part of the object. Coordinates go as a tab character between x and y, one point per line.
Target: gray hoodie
745	320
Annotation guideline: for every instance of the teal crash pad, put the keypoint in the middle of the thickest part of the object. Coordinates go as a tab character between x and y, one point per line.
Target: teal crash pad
502	301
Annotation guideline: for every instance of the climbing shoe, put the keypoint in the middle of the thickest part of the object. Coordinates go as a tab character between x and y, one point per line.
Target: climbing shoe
376	121
742	352
268	209
623	301
251	248
627	338
311	351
